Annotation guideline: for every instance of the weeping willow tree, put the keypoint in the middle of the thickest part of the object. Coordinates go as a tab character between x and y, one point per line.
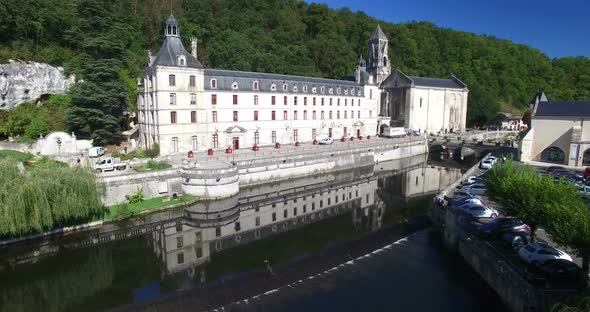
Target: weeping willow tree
47	196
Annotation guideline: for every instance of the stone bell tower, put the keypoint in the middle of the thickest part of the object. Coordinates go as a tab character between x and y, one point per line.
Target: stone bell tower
378	64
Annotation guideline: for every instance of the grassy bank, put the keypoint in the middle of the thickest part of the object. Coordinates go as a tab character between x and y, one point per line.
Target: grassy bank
128	210
15	156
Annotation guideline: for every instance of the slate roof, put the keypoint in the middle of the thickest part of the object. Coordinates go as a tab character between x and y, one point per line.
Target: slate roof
378	34
563	109
171	48
437	82
276	77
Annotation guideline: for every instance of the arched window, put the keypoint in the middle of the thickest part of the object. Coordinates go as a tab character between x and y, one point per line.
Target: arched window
285	87
305	88
322	89
314	90
234	85
295	89
553	154
273	87
255	85
213	83
331	91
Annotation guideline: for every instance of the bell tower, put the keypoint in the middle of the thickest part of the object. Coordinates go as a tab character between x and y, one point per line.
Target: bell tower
378	64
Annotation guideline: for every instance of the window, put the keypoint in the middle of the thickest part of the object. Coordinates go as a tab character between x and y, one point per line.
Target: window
304	115
323	101
294	100
256	137
179	228
235	99
172	98
193	116
295	138
213	83
273	116
314	89
273	100
358	114
274	137
420	102
294	88
255	99
215	140
217	231
235	85
314	101
305	88
352	91
322	89
367	198
322	115
274	216
312	206
345	102
329	201
214	114
285	87
199	252
195	142
192	81
285	100
338	102
331	91
313	133
321	203
358	102
370	114
193	99
255	115
255	85
304	208
173	117
370	93
314	115
175	144
305	100
338	90
285	213
257	221
331	101
179	242
172	80
213	99
345	116
235	115
285	115
295	211
330	115
180	257
198	236
273	87
237	226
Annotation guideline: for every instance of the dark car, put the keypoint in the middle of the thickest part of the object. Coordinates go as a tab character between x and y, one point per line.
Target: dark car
550	169
557	273
515	240
502	225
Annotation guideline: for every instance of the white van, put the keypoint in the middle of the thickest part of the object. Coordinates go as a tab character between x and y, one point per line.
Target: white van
96	151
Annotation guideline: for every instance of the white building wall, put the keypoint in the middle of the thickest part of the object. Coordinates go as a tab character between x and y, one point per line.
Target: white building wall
436	109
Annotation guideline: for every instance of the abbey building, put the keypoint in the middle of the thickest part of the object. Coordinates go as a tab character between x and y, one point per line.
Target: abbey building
186	107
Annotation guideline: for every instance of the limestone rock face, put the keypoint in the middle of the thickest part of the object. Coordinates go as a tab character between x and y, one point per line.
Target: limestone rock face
27	81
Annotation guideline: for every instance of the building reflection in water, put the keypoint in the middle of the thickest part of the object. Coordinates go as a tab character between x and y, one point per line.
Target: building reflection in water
270	209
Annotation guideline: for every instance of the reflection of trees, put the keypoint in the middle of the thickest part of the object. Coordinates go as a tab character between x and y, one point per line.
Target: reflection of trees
56	286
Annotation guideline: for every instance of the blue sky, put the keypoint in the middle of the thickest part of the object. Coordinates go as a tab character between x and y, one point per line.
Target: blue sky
558	28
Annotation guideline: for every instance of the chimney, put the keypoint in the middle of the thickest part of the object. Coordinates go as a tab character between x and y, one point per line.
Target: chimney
194	47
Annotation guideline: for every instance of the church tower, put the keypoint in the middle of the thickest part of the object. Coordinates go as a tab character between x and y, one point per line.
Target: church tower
378	64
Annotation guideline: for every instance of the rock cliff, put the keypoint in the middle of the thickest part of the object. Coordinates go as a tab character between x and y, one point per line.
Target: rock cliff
28	81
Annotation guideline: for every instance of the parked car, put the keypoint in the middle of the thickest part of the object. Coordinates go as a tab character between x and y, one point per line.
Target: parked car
550	169
479	211
326	141
515	241
109	163
96	151
557	273
472	179
475	189
503	225
460	194
584	191
466	200
485	164
540	252
472	182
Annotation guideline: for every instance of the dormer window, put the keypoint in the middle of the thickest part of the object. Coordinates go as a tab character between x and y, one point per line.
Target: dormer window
234	85
331	91
295	89
322	89
345	91
352	91
338	90
305	88
314	90
213	83
255	85
273	87
285	87
181	60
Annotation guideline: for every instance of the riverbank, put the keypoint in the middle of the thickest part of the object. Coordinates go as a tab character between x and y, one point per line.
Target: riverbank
226	292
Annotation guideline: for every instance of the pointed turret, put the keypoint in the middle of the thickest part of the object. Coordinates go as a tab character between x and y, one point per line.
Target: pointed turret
378	34
378	63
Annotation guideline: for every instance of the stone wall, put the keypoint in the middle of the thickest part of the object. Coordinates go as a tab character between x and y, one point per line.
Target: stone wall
22	82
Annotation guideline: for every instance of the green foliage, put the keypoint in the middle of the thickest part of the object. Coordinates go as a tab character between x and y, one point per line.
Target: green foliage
137	197
47	196
153	165
15	156
540	201
105	42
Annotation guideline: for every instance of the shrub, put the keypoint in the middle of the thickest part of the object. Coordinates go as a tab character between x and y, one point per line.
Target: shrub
137	197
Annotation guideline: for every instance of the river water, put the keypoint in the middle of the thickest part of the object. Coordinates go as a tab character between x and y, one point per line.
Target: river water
277	225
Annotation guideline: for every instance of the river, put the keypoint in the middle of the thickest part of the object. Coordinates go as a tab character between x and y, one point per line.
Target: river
283	241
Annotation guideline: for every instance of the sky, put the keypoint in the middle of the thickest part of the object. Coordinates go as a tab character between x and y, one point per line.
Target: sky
557	27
